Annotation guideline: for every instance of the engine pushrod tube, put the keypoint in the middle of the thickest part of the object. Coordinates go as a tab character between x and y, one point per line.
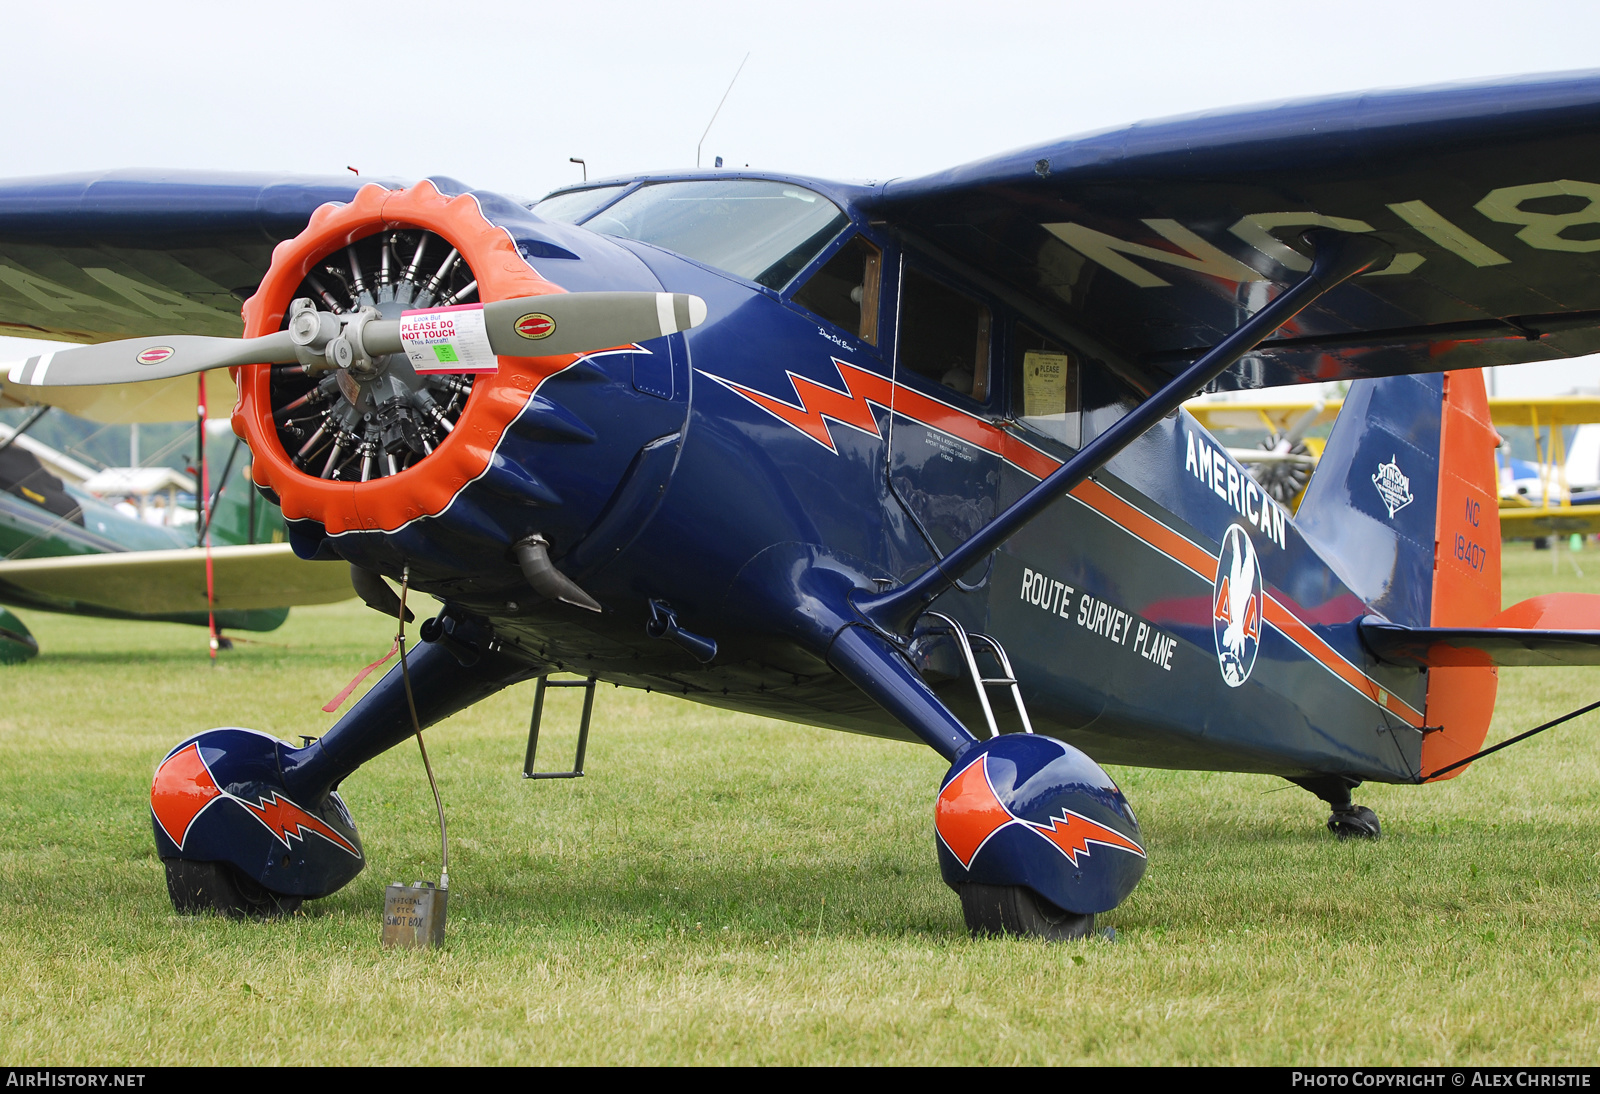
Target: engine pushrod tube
1339	256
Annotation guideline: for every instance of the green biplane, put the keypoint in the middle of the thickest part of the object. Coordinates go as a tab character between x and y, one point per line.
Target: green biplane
135	542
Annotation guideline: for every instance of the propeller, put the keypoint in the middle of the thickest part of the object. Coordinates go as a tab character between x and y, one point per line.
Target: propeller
531	326
1285	467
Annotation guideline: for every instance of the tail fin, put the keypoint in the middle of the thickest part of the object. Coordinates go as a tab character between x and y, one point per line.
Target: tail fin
1404	506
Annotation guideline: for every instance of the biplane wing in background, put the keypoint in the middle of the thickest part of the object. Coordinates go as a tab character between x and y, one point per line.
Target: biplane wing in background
120	543
110	277
255	583
809	449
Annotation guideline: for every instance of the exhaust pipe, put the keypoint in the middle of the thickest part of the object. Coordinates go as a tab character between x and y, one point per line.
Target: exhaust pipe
533	556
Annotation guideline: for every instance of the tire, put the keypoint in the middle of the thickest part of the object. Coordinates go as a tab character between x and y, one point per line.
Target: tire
1017	910
217	888
1356	822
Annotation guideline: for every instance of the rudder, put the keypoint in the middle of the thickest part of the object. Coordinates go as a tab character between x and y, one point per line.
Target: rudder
1404	506
1466	575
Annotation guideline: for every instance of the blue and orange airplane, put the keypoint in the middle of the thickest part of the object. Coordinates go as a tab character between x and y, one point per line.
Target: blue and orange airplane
904	459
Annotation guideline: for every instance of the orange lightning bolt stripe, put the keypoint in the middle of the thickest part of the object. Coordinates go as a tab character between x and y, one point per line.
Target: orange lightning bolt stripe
1073	833
818	402
286	820
968	813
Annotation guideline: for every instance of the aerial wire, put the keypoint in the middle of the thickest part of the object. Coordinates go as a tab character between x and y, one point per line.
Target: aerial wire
715	112
33	420
222	481
416	724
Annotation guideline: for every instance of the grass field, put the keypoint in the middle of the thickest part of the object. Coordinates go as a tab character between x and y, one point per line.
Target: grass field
727	889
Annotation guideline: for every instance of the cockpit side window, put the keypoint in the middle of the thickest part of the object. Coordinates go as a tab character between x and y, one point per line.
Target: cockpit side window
845	290
1045	380
764	231
944	335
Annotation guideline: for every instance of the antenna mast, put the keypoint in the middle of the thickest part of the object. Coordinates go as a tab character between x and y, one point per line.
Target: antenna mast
718	110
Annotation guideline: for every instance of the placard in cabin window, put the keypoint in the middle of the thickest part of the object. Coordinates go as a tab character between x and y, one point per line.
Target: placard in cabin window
1044	384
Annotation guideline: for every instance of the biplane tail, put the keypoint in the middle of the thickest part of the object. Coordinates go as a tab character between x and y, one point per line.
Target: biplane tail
1404	505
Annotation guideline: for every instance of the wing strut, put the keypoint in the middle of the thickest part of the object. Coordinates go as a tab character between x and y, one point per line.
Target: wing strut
1339	256
32	420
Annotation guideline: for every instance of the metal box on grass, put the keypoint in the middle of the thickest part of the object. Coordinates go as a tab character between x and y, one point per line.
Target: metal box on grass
413	915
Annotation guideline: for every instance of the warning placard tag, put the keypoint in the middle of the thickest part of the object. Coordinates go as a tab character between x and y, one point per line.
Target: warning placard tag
1044	383
451	339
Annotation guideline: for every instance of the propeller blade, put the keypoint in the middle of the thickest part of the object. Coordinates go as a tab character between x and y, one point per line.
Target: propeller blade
560	323
134	359
528	326
532	326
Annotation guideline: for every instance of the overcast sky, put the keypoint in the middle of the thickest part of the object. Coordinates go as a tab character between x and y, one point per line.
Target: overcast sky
499	95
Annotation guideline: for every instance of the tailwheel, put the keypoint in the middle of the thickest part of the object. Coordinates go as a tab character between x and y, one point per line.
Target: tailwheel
216	888
377	417
1018	910
1347	820
1355	822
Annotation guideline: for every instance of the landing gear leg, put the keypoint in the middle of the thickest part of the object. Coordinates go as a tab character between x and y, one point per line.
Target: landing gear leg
249	826
1348	821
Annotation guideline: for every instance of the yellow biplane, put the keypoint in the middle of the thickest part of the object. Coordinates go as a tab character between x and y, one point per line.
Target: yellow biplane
1550	496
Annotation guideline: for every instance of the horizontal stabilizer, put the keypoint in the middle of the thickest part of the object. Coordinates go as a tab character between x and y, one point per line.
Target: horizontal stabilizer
1554	630
245	577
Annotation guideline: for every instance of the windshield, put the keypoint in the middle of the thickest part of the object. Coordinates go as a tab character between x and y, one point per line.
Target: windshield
764	231
573	205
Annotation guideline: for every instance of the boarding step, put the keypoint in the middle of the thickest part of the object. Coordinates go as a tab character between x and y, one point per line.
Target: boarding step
528	771
965	641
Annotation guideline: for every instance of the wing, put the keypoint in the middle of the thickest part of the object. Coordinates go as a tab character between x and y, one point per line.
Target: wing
1556	410
1275	417
1146	245
1278	415
89	258
1532	523
263	575
168	400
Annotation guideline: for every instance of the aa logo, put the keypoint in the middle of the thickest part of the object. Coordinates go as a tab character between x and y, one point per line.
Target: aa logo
1236	609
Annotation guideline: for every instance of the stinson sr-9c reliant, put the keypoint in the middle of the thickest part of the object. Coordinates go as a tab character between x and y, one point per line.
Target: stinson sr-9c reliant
903	459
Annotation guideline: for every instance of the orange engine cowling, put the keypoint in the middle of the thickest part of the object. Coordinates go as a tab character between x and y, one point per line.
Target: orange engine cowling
380	452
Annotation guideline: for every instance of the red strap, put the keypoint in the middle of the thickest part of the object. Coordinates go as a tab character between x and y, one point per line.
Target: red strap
338	700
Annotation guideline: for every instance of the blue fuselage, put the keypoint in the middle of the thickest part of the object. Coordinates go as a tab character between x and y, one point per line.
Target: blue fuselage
661	474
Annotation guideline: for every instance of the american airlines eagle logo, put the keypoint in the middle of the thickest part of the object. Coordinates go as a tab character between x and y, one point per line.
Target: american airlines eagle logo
1237	605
